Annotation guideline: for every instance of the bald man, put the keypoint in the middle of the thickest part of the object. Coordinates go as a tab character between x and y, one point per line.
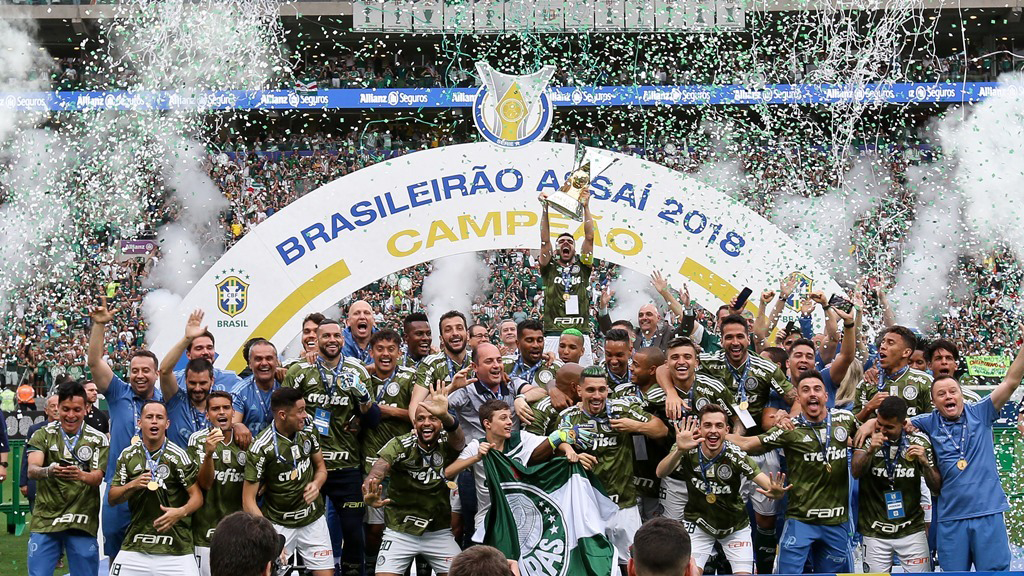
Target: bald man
358	328
544	412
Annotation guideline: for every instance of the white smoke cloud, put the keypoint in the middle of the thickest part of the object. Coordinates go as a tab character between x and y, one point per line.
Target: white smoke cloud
453	284
632	290
931	249
823	225
988	144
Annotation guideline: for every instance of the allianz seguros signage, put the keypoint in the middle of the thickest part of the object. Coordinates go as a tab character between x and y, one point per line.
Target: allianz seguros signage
468	198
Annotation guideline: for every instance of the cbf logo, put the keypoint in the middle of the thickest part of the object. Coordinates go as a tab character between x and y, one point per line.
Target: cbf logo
232	295
512	111
541	528
802	291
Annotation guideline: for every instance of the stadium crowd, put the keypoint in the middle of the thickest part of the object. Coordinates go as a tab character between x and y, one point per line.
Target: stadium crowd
371	448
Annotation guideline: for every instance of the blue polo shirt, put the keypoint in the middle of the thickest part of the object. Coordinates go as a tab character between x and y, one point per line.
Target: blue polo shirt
124	408
224	380
976	490
253	404
351	348
185	418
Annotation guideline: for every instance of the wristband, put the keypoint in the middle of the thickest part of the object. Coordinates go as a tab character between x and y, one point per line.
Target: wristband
453	427
850	325
4	464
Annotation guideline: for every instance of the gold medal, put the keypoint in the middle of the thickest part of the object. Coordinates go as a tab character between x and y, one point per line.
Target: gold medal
711	498
295	475
744	405
152	486
828	467
452	485
566	297
136	440
961	463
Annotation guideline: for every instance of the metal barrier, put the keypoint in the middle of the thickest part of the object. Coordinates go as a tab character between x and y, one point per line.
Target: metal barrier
15	509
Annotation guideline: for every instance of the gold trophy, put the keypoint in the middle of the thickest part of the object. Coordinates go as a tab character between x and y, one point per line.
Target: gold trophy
567	199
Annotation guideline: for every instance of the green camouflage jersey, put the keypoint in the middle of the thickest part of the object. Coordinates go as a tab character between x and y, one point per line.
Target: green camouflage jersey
225	496
394	392
759	378
904	477
613	450
439	367
575	275
649	452
540	374
341	401
819	496
407	361
66	504
545	417
914	386
175	473
284	467
704	390
725	474
419	493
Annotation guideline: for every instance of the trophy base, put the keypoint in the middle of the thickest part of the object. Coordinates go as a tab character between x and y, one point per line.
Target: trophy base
566	205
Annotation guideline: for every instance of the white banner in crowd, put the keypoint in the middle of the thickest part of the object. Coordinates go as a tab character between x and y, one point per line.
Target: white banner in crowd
474	197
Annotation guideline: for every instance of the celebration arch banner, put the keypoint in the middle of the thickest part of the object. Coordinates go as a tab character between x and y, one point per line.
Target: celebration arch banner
473	197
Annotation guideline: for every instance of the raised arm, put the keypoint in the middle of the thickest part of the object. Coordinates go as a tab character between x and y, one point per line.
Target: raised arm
848	348
661	286
761	322
194	328
546	249
588	225
101	372
1010	382
862	456
749	444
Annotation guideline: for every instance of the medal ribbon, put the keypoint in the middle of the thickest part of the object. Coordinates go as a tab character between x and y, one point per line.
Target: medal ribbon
740	379
153	459
70	442
519	370
384	385
890	463
895	377
705	464
566	272
451	366
961	448
828	434
335	373
277	449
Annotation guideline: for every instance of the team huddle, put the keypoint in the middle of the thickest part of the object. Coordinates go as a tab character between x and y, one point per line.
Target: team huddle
371	445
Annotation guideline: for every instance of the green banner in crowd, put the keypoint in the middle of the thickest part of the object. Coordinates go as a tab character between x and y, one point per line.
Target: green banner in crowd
988	366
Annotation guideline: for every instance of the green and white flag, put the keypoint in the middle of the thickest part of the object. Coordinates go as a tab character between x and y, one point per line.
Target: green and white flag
550	517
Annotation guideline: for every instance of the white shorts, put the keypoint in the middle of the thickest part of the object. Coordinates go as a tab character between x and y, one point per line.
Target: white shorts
203	560
912	550
620	531
763	505
140	564
673	498
551	345
738	547
397	550
313	543
926	500
455	500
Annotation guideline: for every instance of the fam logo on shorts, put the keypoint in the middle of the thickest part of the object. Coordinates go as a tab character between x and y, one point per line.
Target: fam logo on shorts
512	111
541	529
233	294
